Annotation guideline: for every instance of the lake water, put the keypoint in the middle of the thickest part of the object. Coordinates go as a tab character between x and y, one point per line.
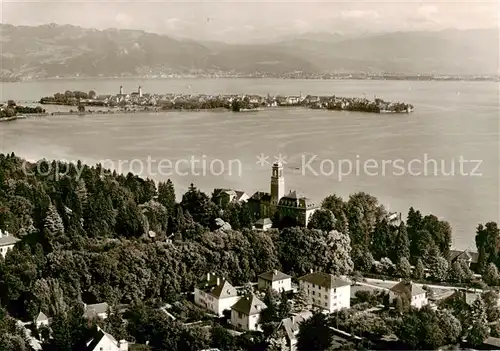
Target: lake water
452	120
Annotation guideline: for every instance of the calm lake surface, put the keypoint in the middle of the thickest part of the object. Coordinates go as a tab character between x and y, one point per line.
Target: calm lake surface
451	120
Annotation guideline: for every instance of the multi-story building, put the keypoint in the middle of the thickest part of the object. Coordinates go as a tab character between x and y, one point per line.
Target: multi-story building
275	280
245	313
417	295
215	294
326	291
287	206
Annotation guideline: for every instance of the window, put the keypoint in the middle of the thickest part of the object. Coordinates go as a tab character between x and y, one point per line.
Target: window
240	315
314	292
334	290
326	304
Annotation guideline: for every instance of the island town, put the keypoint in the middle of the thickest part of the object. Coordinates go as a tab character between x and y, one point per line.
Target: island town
235	102
139	101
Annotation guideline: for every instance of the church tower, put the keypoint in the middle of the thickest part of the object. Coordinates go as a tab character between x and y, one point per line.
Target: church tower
140	91
277	183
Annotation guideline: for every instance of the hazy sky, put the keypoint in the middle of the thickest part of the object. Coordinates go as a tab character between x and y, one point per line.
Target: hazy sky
245	20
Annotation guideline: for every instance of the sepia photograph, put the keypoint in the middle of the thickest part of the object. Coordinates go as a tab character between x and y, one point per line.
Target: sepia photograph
265	175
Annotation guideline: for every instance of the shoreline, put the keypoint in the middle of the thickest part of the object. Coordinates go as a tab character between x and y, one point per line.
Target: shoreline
215	110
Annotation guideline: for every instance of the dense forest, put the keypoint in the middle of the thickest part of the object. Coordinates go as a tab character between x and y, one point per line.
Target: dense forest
92	236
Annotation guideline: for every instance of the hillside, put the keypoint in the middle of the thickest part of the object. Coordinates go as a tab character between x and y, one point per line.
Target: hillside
472	52
54	50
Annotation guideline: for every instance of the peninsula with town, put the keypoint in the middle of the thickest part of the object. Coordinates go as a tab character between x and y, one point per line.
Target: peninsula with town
139	100
81	103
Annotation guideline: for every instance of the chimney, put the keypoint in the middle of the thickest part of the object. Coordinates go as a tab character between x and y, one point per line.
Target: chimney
218	281
121	90
208	276
123	345
311	271
275	272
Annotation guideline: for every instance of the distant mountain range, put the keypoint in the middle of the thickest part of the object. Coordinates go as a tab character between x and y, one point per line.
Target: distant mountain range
67	51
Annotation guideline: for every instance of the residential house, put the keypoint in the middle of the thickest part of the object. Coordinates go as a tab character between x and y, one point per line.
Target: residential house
466	256
467	297
215	294
310	99
102	341
293	100
41	319
254	99
394	218
245	313
326	291
275	280
290	327
417	295
222	197
263	224
7	242
281	100
96	310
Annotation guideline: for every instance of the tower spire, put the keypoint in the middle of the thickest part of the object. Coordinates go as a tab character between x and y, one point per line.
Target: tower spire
277	183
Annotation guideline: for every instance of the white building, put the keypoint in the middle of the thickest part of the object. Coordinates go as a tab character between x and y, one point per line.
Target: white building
263	224
7	242
96	310
326	291
417	295
245	313
41	319
103	341
275	280
215	294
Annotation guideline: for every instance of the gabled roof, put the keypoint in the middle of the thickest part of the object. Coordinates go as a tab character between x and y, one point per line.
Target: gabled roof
261	196
97	308
239	195
224	290
467	297
292	324
41	317
249	305
274	276
324	279
459	254
7	240
463	254
407	287
218	287
97	337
